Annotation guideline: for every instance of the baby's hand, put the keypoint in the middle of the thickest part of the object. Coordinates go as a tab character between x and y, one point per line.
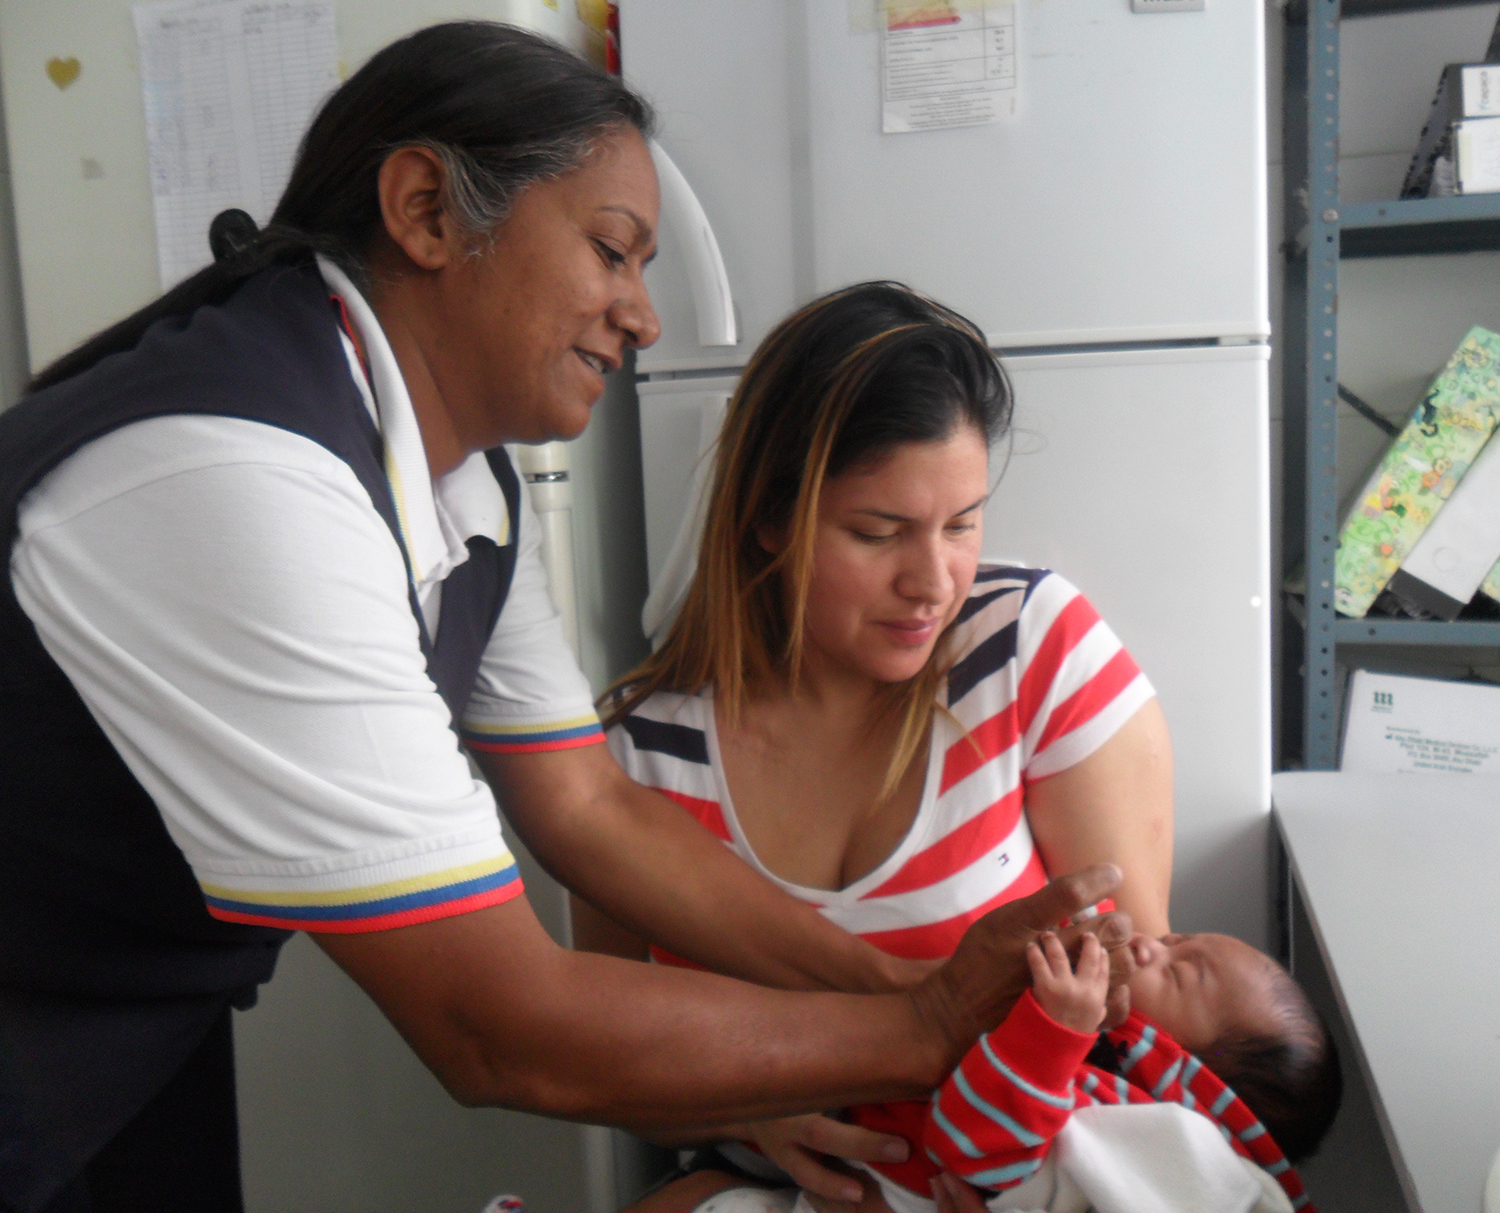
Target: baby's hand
1073	999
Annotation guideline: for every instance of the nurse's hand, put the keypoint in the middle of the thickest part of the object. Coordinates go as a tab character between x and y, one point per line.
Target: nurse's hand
975	990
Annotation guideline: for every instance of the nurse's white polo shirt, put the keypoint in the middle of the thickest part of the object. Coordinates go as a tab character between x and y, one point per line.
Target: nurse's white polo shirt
235	614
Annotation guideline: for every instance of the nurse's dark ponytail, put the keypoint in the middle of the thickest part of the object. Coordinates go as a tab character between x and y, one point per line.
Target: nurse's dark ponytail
500	107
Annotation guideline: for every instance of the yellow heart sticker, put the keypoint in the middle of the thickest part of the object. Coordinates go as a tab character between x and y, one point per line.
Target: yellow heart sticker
62	72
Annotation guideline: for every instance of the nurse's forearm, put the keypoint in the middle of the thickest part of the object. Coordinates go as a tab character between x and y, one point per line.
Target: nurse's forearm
644	862
505	1017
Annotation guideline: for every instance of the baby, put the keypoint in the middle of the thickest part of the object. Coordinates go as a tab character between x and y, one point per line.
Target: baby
1268	1072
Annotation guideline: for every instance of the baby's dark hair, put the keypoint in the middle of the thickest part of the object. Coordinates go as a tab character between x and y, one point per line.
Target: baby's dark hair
1290	1079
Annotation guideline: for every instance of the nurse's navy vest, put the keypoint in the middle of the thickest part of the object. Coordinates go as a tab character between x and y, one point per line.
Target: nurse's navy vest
95	898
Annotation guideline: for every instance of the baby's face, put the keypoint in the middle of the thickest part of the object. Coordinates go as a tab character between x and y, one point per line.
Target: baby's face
1200	987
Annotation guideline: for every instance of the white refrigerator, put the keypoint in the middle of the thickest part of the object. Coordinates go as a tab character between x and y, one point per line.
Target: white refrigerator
1110	240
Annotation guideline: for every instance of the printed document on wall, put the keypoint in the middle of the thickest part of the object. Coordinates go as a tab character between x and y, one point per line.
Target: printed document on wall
947	63
1396	725
229	88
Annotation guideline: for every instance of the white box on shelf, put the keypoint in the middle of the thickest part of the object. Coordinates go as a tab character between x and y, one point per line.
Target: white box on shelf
1481	90
1420	726
1476	142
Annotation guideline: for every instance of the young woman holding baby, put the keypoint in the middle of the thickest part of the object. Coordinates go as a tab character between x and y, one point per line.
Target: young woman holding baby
852	701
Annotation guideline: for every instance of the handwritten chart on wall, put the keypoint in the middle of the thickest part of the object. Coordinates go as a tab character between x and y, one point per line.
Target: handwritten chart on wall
229	87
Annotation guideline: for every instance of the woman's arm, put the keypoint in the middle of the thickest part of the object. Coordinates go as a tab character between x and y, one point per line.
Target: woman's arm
1115	807
596	932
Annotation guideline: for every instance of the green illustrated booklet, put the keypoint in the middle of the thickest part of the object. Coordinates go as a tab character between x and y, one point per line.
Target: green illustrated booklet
1422	467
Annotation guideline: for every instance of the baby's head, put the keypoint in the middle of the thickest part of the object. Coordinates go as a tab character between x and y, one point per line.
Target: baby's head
1242	1014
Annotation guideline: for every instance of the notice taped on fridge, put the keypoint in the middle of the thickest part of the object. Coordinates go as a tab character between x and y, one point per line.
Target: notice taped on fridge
947	63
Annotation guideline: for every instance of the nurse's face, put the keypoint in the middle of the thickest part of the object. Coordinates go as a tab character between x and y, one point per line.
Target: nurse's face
549	307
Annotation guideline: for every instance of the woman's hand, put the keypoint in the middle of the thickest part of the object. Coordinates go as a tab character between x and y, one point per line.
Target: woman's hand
799	1146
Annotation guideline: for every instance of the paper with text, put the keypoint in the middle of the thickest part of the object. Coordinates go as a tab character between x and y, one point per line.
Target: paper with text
1396	725
947	63
229	88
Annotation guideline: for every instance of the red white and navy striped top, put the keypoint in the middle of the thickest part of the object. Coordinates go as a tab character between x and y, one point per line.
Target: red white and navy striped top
1038	683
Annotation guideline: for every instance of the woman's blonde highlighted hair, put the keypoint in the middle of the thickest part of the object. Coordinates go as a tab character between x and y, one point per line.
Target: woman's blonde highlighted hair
837	385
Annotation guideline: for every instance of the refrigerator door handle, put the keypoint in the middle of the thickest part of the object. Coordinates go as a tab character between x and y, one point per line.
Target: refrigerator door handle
712	298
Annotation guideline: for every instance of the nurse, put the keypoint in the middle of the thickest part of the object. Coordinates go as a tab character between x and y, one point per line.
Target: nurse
272	576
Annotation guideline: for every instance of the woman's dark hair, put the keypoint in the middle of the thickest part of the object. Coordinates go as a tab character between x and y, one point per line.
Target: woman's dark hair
834	387
864	370
500	107
1291	1079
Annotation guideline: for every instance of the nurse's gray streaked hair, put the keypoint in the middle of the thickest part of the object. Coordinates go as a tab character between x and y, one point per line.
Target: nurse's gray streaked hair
501	108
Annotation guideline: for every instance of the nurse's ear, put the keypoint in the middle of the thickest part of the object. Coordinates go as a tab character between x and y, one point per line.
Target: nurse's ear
411	193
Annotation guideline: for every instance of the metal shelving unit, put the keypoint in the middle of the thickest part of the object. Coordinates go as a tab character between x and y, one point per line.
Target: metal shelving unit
1320	234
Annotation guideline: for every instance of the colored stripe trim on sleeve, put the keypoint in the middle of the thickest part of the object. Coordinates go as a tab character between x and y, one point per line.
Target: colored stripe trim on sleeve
594	737
376	907
380	922
534	736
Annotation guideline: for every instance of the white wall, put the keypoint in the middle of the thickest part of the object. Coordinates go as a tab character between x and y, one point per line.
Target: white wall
83	195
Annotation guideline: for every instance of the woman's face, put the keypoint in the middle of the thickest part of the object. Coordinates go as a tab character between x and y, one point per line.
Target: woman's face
894	555
544	312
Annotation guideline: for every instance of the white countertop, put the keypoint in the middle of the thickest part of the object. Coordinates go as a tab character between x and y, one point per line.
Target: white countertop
1400	876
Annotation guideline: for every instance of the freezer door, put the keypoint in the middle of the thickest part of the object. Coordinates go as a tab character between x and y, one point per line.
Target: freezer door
1124	203
680	421
1142	478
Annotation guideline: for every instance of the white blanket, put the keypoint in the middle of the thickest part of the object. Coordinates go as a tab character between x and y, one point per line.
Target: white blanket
1133	1158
